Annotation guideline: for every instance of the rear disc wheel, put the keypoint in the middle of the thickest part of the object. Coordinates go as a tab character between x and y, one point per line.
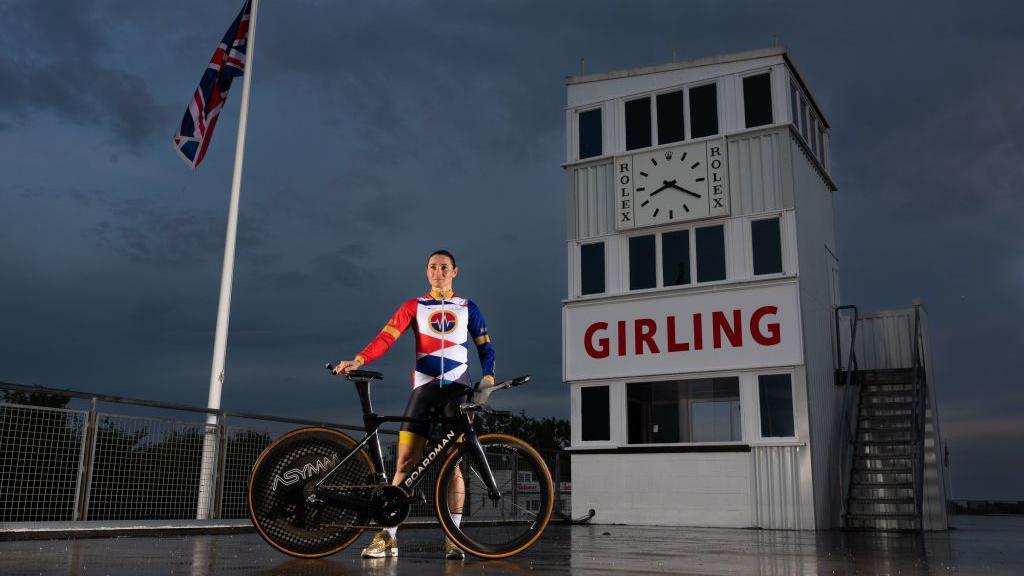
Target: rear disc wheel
284	476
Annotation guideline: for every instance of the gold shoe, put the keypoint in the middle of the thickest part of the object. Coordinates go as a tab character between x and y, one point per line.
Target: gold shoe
451	551
382	546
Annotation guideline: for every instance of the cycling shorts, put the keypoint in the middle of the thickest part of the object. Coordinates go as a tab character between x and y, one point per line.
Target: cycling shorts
431	401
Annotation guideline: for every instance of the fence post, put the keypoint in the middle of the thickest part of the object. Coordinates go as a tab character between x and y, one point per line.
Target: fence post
84	484
558	483
222	450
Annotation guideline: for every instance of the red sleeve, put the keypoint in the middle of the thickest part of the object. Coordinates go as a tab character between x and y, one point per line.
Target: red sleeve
391	331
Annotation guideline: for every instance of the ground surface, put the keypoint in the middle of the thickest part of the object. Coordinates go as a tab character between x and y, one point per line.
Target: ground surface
978	545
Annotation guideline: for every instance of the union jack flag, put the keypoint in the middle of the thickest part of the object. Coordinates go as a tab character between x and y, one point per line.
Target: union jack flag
196	130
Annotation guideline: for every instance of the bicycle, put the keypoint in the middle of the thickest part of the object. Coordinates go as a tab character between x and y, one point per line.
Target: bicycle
313	491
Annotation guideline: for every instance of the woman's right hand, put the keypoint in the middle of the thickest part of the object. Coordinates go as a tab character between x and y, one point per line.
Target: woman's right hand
346	366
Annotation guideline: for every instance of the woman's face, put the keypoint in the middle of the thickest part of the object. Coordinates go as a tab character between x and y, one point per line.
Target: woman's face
441	272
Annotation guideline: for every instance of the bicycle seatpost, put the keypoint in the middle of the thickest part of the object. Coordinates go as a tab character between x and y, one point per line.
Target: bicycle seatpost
363	388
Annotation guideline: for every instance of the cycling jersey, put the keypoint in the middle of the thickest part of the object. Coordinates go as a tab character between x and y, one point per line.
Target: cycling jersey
444	324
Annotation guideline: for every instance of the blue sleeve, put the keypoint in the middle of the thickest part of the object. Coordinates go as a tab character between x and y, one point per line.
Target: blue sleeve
478	332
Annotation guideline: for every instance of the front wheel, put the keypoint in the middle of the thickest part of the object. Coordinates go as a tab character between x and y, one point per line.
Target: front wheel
495	528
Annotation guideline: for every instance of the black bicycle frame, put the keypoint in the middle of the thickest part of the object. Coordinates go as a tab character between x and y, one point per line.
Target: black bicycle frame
449	441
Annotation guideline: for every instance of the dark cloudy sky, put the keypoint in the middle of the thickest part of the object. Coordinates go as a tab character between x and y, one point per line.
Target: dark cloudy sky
380	131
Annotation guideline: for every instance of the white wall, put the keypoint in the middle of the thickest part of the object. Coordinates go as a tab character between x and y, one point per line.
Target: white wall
815	232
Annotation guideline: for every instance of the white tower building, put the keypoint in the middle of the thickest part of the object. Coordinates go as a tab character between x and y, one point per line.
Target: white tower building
699	339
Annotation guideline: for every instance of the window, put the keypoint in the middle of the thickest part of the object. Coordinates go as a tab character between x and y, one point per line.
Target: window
641	262
776	395
675	257
757	100
710	243
803	119
592	268
766	246
638	123
685	254
671	126
703	111
813	133
794	108
703	410
590	133
594	414
821	143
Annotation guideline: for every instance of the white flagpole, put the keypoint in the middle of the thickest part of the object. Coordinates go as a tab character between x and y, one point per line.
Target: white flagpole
206	481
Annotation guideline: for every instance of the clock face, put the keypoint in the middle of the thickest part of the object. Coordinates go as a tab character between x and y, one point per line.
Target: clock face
670	185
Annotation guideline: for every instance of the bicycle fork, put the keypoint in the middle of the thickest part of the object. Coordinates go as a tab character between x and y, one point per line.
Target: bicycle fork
476	454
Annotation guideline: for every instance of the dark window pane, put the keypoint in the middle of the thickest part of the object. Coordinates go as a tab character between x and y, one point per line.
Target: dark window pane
675	257
710	253
703	111
592	268
594	413
803	119
705	410
641	262
757	100
767	246
776	393
590	133
813	133
821	143
794	107
670	118
638	123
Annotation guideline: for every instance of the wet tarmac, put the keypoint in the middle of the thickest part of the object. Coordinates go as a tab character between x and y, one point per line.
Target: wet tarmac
977	545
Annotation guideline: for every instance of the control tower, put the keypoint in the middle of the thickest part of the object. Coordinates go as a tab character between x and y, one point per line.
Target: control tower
704	342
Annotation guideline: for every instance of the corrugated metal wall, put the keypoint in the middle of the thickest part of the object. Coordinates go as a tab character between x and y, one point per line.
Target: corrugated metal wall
591	201
757	181
885	340
756	184
776	490
815	246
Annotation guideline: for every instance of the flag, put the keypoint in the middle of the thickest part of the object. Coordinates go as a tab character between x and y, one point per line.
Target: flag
193	136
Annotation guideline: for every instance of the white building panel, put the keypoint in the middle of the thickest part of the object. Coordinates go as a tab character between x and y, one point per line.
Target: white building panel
816	247
592	191
758	181
777	501
669	332
664	489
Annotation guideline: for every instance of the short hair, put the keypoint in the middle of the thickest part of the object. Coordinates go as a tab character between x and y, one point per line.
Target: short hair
443	253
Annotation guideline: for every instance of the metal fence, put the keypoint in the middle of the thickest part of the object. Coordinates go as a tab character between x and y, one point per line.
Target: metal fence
59	464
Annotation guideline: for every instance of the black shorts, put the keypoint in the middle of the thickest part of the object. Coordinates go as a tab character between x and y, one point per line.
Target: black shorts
431	401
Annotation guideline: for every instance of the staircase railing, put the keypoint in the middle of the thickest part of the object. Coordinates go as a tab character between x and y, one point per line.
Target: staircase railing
918	413
851	404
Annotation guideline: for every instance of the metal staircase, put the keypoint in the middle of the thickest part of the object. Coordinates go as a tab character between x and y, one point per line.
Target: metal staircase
883	431
882	490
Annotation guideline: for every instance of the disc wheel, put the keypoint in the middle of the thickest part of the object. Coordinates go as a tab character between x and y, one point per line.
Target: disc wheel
282	478
495	528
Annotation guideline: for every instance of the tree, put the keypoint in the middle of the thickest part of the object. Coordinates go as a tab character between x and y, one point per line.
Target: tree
543	433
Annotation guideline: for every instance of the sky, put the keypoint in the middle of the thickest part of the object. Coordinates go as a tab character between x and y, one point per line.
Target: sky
379	132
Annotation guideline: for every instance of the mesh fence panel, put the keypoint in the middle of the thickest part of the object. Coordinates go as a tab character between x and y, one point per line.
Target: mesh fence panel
40	451
242	448
146	468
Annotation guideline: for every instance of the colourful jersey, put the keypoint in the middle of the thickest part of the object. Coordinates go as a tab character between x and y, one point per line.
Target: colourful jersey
444	325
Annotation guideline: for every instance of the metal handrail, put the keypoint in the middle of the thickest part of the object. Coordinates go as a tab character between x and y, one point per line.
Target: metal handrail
850	404
918	416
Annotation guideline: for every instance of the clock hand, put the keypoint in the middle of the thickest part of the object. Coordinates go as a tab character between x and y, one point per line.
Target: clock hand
668	184
681	189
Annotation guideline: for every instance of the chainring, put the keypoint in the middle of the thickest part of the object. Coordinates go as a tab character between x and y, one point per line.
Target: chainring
389	505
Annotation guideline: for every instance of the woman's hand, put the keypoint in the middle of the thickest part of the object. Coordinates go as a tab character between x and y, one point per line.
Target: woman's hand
346	366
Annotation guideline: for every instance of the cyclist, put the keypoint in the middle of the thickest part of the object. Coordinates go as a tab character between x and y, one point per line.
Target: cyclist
444	324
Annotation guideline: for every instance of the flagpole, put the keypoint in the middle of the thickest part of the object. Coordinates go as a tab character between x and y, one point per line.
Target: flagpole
205	504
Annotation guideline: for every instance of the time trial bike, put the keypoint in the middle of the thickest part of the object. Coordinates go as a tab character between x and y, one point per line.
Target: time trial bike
313	491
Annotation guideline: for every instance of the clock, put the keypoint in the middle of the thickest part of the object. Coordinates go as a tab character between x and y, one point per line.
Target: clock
671	184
